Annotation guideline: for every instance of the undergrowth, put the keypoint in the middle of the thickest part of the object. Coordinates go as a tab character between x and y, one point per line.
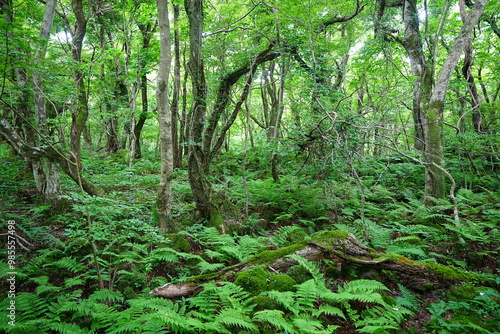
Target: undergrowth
75	275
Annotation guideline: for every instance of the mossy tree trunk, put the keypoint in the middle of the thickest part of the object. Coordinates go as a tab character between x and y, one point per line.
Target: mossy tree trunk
429	93
45	172
80	110
338	246
206	133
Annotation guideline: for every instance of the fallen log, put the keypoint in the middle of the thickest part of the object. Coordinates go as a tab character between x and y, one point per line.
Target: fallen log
338	246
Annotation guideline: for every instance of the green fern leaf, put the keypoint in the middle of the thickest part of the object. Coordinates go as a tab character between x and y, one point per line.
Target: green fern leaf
364	285
407	299
275	318
328	310
234	318
107	295
285	298
307	324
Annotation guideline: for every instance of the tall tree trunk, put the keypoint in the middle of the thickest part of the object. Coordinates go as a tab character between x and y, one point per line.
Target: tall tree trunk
477	117
422	68
177	149
197	167
165	121
45	172
80	111
433	113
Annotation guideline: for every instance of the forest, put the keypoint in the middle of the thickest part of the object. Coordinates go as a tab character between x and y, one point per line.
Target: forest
214	166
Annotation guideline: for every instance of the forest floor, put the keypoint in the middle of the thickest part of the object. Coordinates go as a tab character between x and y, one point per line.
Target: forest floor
89	267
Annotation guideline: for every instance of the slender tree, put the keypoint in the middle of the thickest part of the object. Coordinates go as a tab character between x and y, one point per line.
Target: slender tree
165	120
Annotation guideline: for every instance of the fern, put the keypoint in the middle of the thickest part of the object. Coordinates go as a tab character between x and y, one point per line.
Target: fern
235	318
287	299
274	318
280	237
310	266
407	299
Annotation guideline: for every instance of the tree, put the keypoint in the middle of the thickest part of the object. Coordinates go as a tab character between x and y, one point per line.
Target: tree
204	141
164	120
429	92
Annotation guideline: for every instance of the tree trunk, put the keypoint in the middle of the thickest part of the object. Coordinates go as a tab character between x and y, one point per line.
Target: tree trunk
477	116
80	111
165	121
338	246
45	172
36	153
433	114
147	33
197	167
177	149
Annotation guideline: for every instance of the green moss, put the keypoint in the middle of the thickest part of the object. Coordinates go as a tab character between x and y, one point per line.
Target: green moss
264	303
329	237
447	272
270	256
179	242
299	274
129	293
281	282
296	236
253	281
331	270
461	293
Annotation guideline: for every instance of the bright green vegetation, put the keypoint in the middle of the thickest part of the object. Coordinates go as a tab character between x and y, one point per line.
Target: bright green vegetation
255	129
58	286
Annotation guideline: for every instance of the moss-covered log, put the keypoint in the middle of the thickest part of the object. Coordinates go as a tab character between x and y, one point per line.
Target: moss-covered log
338	246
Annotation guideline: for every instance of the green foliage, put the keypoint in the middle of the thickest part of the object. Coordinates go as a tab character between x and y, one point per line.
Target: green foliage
480	314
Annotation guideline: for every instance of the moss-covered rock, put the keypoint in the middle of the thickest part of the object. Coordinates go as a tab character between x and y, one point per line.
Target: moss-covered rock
281	282
264	303
299	274
253	281
179	242
461	293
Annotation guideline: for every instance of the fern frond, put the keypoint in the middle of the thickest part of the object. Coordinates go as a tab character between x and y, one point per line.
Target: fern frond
234	318
205	266
69	263
65	328
107	295
168	255
328	310
310	266
407	299
284	298
279	239
364	285
307	294
274	318
307	324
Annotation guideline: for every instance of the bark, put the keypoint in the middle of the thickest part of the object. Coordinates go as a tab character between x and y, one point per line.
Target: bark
422	68
36	153
197	166
165	120
147	33
177	149
45	172
338	246
433	113
204	141
80	112
469	78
